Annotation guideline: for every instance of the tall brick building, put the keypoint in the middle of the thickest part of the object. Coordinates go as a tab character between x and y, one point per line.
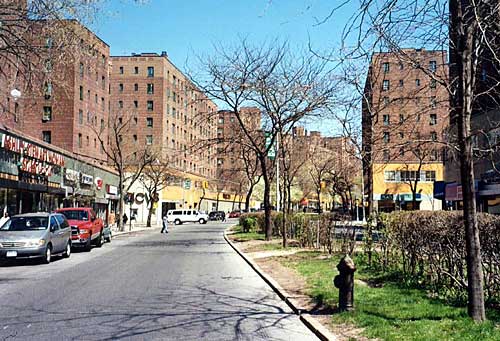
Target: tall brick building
166	111
67	100
404	117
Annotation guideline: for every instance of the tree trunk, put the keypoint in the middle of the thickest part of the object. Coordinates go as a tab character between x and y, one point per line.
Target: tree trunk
268	228
461	65
150	212
283	229
249	197
289	191
119	219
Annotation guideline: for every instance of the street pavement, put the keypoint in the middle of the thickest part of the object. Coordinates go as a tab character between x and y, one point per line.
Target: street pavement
185	285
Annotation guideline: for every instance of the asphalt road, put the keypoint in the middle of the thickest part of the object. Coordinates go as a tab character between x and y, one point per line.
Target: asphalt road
185	285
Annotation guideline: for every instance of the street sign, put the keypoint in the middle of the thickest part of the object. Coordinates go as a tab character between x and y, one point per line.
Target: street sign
187	184
272	151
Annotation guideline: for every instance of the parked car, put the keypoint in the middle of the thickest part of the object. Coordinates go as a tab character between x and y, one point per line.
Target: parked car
86	228
35	235
186	216
234	214
216	215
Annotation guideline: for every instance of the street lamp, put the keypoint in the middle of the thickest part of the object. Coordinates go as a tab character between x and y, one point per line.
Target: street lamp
15	93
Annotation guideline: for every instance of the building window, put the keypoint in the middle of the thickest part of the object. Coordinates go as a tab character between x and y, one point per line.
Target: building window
49	42
134	137
120	104
401	135
417	82
88	141
136	70
46	136
136	87
430	176
484	74
390	176
149	140
386	120
150	106
136	104
135	120
433	119
47	113
103	82
220	161
151	71
81	93
386	100
149	122
433	102
81	70
401	83
80	116
401	66
401	118
433	136
120	87
121	70
48	65
387	137
48	89
150	89
433	84
385	85
386	155
401	151
102	124
385	67
433	66
79	140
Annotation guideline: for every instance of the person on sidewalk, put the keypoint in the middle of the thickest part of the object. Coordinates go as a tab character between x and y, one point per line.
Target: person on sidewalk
165	224
5	217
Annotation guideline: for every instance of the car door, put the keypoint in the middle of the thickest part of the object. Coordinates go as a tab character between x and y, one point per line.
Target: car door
65	229
55	234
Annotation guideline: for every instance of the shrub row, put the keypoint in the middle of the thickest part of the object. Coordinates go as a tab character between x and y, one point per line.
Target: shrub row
429	249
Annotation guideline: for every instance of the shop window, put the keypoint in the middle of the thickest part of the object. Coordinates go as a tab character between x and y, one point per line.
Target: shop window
47	136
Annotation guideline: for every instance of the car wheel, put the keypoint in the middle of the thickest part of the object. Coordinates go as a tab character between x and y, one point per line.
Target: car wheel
202	221
48	254
177	222
88	245
67	252
98	242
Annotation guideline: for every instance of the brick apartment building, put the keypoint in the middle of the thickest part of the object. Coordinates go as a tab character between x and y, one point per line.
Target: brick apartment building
232	155
166	111
67	100
404	117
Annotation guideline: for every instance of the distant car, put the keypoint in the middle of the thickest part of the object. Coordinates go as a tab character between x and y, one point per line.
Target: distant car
234	214
35	235
216	215
186	216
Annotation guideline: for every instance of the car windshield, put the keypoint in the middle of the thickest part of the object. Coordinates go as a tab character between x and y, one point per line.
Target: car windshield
26	224
76	215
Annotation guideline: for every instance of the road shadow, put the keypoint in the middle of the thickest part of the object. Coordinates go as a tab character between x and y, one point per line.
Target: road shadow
185	313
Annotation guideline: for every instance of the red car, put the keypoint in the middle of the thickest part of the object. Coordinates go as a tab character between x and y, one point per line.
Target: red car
234	214
86	228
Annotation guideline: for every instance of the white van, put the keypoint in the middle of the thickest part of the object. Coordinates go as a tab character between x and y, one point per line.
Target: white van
186	216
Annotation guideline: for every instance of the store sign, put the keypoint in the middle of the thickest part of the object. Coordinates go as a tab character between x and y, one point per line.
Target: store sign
98	183
87	179
31	150
35	167
110	189
72	175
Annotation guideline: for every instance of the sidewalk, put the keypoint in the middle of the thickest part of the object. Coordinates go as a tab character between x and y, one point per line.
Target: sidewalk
135	227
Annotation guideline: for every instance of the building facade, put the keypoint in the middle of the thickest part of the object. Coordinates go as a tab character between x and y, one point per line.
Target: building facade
168	115
404	119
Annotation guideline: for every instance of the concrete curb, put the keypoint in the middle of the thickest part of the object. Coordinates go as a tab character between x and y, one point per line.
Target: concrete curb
317	328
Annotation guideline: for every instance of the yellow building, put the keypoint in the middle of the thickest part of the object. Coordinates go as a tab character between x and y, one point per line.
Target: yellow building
393	182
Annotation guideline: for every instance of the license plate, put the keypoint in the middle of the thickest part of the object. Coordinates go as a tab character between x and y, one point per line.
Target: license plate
11	254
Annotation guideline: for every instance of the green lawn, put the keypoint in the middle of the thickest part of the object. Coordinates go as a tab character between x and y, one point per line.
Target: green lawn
391	311
241	236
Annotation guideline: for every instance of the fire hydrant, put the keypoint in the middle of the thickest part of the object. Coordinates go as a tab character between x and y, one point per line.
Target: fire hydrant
345	282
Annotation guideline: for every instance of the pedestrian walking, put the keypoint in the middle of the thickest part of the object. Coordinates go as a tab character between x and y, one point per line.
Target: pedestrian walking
165	224
125	218
223	217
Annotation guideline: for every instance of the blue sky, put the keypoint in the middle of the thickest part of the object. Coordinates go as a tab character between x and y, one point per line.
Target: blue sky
186	29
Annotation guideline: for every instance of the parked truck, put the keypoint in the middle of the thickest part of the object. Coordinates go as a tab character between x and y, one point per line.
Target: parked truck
86	227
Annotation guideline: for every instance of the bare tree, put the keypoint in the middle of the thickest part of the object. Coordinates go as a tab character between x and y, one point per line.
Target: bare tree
468	29
127	158
286	88
156	175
